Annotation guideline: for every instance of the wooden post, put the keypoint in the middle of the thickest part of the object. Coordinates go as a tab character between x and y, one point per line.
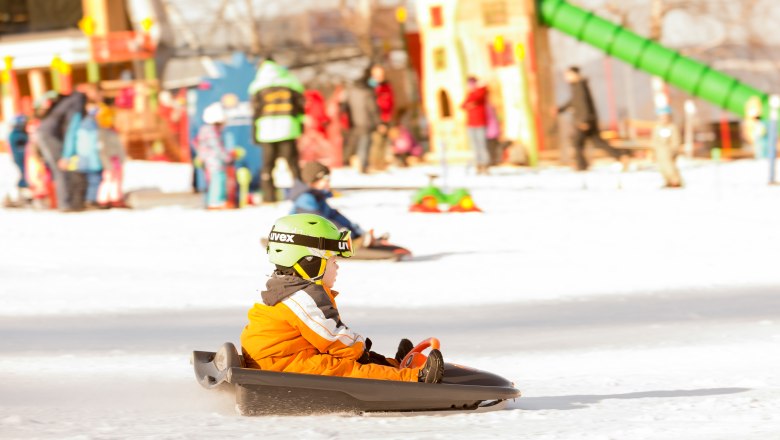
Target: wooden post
37	83
55	73
10	89
725	135
542	89
150	67
774	105
690	114
87	26
610	84
529	106
66	78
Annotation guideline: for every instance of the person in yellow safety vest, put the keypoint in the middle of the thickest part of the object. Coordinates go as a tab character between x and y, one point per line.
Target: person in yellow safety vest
298	329
277	111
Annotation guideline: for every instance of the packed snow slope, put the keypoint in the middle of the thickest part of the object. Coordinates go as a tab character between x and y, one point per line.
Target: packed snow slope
621	310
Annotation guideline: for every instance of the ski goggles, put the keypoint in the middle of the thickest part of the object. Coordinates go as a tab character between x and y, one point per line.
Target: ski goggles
341	247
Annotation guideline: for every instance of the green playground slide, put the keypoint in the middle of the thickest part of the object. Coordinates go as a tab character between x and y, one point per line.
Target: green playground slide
689	75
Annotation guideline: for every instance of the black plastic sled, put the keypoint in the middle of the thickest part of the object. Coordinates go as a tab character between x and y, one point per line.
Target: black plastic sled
261	392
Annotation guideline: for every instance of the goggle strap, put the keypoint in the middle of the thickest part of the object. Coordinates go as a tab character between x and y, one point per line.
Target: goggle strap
326	244
318	278
323	262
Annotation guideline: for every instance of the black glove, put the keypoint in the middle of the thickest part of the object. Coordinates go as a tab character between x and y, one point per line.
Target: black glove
365	357
372	357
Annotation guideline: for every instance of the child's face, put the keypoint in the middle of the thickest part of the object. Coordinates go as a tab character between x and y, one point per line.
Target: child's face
331	272
322	184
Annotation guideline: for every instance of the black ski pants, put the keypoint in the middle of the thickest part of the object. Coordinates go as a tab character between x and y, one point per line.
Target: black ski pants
592	133
288	150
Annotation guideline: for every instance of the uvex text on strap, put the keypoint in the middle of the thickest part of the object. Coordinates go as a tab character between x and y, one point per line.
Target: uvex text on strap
342	247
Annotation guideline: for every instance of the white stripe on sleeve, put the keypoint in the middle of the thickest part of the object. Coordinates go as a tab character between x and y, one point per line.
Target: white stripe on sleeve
305	308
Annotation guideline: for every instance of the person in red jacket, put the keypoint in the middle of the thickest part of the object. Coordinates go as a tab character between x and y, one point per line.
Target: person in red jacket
384	93
475	106
314	108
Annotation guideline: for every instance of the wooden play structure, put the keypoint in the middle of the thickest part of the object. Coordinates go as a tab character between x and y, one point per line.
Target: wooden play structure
502	44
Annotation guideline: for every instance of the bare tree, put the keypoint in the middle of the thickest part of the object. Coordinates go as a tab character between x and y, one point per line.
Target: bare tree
657	12
255	46
733	16
358	19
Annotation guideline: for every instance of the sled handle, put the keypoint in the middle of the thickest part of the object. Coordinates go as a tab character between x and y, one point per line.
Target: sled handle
415	358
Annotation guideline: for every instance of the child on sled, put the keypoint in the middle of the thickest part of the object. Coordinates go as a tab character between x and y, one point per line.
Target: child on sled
297	327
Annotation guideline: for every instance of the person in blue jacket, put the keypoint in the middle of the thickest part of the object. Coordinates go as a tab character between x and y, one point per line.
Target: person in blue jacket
18	139
311	193
81	151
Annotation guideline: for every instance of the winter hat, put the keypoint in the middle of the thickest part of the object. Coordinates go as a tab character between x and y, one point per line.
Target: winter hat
214	114
20	121
313	171
105	116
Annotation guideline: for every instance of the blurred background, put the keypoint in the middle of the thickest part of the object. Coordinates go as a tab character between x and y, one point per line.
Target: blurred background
159	63
579	196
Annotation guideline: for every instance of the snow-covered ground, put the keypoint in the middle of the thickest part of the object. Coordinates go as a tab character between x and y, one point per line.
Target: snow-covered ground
622	311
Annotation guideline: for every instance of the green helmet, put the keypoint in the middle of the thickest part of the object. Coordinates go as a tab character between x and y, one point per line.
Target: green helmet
301	235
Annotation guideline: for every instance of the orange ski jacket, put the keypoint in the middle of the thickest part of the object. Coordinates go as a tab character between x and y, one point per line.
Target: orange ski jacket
296	319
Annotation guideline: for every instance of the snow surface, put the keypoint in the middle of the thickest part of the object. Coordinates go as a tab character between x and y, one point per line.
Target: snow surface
620	310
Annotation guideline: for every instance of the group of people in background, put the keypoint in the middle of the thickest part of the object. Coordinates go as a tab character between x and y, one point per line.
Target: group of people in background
68	154
665	138
372	123
283	109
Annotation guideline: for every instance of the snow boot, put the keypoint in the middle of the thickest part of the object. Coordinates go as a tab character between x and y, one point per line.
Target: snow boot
433	370
404	347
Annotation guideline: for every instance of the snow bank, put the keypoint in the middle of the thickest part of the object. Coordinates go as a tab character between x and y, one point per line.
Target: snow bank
622	311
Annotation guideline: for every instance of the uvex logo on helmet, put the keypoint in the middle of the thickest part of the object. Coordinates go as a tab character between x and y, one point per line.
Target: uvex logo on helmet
276	236
343	246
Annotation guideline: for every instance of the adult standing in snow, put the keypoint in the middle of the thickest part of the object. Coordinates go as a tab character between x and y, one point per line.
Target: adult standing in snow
666	140
58	112
278	114
586	123
385	102
475	106
364	117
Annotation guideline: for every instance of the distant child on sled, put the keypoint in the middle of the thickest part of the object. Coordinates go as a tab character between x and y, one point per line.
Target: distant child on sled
311	194
297	327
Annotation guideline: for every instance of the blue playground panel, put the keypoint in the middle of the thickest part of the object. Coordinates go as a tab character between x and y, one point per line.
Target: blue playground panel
230	88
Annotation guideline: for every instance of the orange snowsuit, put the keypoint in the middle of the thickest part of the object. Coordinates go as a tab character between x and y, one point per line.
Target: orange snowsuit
298	329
